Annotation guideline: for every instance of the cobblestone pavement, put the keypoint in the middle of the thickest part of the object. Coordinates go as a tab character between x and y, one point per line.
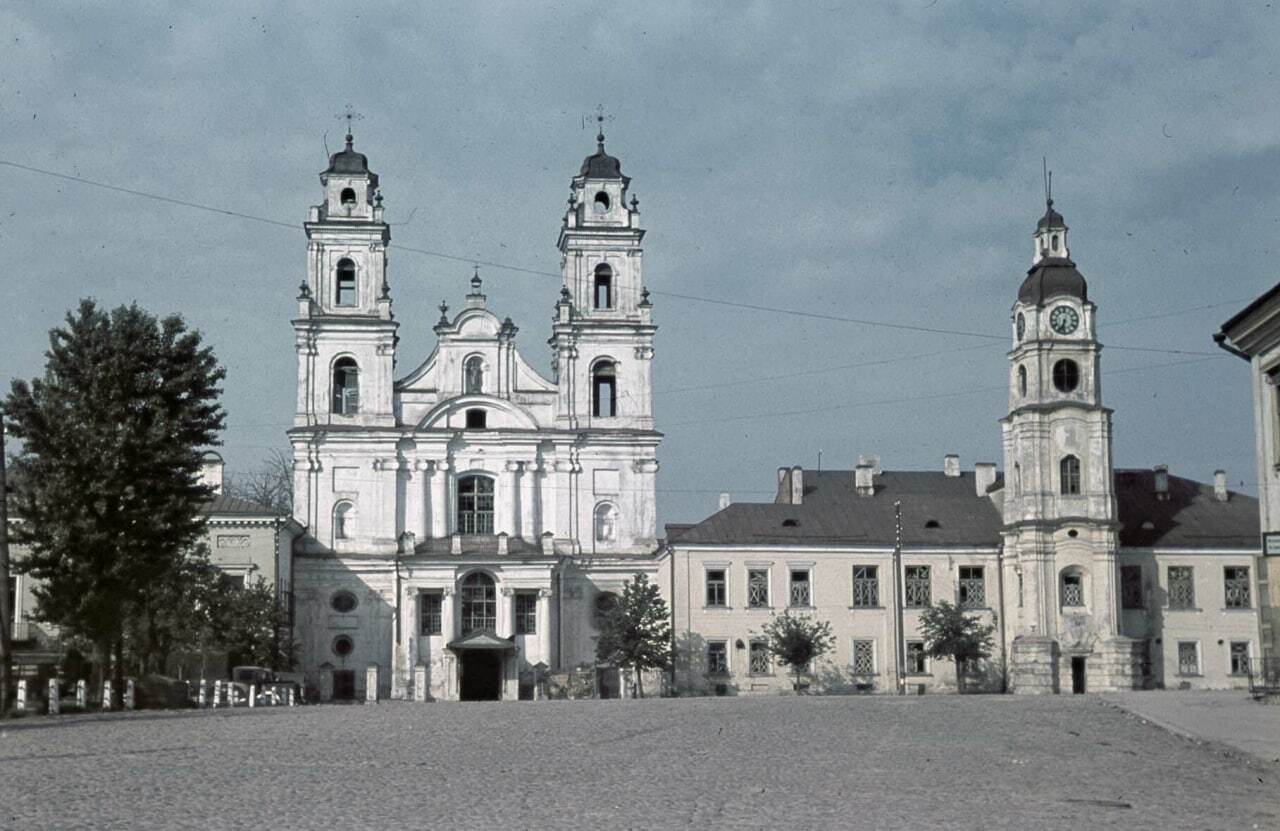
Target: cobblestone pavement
861	762
1230	717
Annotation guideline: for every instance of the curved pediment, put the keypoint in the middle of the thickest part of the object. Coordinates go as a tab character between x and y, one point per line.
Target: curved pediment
476	323
501	414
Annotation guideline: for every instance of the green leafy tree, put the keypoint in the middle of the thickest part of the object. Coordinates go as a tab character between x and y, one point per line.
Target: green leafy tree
796	641
247	623
107	473
636	633
951	633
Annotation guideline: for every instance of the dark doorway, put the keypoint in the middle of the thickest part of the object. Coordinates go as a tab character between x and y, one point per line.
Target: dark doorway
344	684
481	675
608	682
1077	674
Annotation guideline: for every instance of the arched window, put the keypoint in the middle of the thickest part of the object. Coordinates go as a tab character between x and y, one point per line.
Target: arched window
1069	474
1071	587
1053	242
346	387
348	196
604	287
479	603
1022	381
343	520
473	375
475	505
604	390
601	202
345	287
1066	375
606	522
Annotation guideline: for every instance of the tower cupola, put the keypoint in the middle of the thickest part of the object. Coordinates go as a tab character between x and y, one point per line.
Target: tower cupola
1050	236
350	188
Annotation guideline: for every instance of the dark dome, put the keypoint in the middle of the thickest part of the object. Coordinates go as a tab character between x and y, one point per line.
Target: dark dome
349	162
1050	277
601	165
1051	218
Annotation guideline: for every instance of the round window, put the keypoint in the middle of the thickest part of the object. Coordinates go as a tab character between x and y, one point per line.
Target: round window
343	602
343	645
1066	375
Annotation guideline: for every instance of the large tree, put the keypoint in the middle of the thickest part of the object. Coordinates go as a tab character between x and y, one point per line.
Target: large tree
797	640
108	487
636	633
949	632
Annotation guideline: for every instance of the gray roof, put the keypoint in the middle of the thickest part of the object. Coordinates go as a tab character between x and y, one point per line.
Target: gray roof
833	514
600	165
1051	218
223	505
348	162
1052	276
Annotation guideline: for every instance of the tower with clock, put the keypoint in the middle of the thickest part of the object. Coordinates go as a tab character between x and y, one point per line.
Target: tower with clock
1060	531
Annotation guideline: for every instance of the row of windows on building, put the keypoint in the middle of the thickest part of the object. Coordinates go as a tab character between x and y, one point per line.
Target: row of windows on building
474	515
760	660
971	591
478	602
346	388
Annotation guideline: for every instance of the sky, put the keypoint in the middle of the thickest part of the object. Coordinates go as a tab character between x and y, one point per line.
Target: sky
871	162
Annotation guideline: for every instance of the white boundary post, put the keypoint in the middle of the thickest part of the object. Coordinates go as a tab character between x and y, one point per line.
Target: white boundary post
371	684
22	694
253	695
55	700
106	695
130	699
82	694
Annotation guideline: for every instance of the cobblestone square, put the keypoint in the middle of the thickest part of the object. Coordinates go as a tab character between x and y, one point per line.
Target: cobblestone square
784	762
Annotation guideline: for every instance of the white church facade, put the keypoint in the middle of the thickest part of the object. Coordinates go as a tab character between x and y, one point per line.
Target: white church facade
469	520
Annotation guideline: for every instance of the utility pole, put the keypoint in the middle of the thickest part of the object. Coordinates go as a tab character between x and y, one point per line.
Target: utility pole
899	640
6	613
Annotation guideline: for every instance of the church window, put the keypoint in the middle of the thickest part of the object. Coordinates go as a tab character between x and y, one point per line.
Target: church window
479	603
1188	658
866	587
917	659
716	587
604	390
1069	473
1053	242
918	589
1022	381
526	613
972	593
1237	580
1239	657
348	196
476	419
345	288
475	505
758	588
601	202
343	646
1132	595
717	658
1182	587
1066	375
473	375
343	602
760	661
864	657
606	522
1072	588
343	520
346	387
430	613
801	590
604	287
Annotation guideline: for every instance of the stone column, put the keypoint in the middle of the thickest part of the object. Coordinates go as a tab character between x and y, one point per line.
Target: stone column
506	612
415	488
528	529
371	684
544	627
440	500
420	682
448	616
507	500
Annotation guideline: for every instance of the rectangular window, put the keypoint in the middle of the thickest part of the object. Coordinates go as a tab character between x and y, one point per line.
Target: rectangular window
716	587
1239	657
1132	595
973	588
801	594
1188	658
429	606
526	613
864	657
717	658
918	591
760	661
866	587
917	661
1182	588
1237	580
1072	590
758	588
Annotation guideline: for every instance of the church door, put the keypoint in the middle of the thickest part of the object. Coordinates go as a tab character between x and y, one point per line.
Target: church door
480	675
344	684
1077	674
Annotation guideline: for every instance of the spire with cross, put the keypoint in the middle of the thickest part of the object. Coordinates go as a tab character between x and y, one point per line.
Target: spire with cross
349	113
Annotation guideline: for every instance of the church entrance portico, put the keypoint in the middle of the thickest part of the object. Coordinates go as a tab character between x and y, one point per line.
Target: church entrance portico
483	665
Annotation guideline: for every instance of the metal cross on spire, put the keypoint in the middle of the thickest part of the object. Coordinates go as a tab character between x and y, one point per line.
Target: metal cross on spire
350	114
601	118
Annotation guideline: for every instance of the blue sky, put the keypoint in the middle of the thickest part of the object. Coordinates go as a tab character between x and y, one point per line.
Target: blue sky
876	162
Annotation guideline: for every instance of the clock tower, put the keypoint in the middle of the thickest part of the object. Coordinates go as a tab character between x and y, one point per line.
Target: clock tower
1060	531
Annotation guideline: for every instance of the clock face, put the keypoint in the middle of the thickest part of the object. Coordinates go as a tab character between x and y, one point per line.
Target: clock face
1064	320
1022	325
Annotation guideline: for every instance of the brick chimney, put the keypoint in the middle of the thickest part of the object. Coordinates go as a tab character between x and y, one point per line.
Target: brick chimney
797	485
864	480
984	476
724	501
1162	481
1220	486
951	465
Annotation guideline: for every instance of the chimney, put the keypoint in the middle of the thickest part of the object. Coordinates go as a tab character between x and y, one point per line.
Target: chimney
724	501
1220	486
211	465
1162	481
864	480
548	543
984	476
951	465
873	460
797	485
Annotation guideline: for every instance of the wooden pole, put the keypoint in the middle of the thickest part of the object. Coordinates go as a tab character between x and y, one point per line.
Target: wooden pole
6	613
